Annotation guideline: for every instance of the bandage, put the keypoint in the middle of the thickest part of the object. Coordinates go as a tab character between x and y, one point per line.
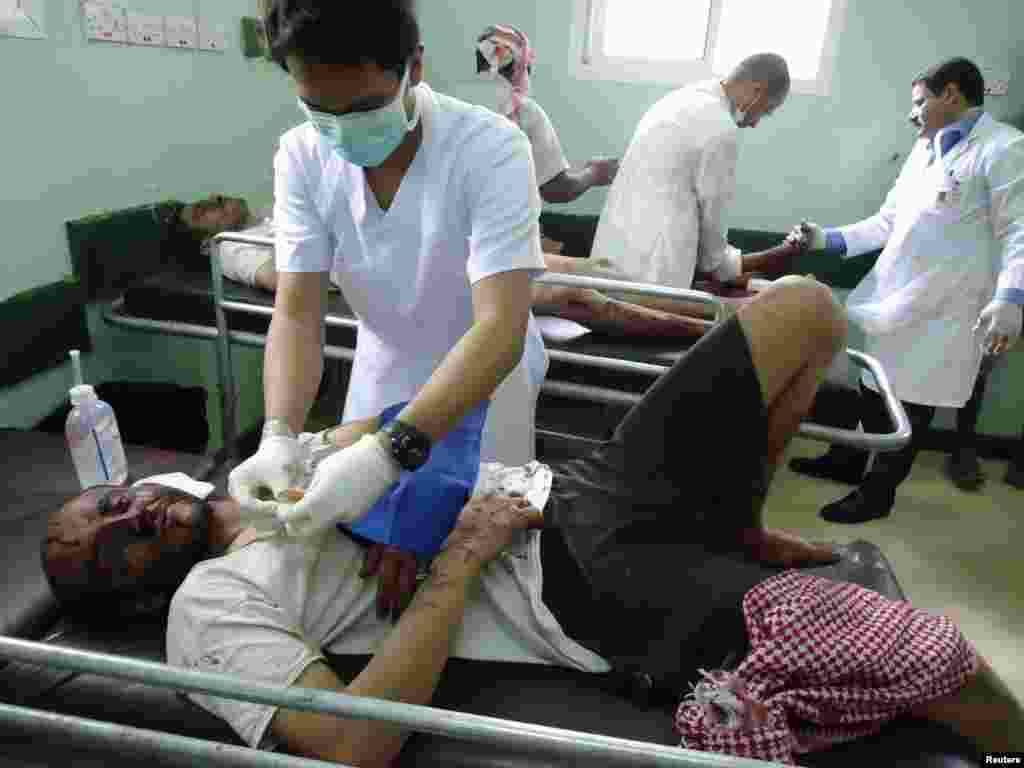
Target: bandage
241	261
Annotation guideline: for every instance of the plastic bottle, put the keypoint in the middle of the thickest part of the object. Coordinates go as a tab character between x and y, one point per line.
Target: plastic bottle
95	440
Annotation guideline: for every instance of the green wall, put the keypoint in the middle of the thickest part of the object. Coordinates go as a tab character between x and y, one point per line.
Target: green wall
92	127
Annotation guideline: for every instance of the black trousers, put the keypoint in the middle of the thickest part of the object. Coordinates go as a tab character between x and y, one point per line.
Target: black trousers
846	408
639	565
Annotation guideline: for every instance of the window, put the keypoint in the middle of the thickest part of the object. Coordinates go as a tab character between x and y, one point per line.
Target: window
681	41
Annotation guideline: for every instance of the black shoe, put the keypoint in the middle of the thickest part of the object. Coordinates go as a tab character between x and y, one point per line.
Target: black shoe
965	471
849	471
855	507
1015	476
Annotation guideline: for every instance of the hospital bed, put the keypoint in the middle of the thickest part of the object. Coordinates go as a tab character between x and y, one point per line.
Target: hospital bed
74	695
591	382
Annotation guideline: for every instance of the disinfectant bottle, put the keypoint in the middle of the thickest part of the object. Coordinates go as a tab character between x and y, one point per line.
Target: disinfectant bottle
94	438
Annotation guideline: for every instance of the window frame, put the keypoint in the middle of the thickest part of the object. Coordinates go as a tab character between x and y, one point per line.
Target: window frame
586	63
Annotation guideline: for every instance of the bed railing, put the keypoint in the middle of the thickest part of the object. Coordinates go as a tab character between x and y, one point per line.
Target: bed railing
557	742
223	339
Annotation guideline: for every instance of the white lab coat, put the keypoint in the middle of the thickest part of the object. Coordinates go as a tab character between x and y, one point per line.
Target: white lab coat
950	229
467	208
664	215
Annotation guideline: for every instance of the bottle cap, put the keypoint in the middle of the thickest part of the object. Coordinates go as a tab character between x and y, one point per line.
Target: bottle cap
82	392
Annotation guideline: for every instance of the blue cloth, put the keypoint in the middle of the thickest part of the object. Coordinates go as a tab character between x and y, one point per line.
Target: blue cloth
419	511
1012	295
835	242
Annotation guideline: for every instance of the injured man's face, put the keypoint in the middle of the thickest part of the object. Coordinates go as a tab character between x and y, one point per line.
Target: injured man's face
119	539
216	214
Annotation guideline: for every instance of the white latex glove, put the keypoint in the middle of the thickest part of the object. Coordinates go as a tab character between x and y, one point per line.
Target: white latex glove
273	469
344	487
810	233
1000	321
603	170
731	266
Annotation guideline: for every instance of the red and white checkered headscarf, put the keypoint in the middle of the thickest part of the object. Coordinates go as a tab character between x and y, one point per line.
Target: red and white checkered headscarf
501	45
829	662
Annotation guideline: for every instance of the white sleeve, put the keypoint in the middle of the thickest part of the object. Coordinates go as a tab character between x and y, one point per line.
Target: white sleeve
301	238
548	157
874	232
504	206
255	639
716	187
1006	193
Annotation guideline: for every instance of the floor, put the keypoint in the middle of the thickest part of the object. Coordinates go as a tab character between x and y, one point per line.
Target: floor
953	552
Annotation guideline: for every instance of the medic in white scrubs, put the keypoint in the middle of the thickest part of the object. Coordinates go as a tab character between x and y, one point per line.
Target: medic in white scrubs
664	218
504	60
424	210
949	283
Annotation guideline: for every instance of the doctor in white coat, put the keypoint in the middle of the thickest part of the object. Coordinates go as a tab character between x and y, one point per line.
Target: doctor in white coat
949	284
424	210
665	216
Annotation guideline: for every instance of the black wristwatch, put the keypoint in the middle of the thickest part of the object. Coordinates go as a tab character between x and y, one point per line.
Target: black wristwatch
409	446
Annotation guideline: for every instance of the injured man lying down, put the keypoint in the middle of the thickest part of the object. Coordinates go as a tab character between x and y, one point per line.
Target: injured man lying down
613	314
646	556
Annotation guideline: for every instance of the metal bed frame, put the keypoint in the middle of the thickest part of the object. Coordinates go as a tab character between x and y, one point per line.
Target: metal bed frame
223	339
554	741
557	742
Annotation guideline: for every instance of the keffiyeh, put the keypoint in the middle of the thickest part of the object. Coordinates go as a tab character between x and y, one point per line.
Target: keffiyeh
829	662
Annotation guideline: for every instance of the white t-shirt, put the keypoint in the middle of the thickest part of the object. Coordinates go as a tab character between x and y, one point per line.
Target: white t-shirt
268	610
468	208
548	157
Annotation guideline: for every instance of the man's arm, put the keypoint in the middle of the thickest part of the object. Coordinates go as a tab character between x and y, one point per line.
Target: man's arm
406	668
481	360
504	211
571	184
715	187
409	663
294	360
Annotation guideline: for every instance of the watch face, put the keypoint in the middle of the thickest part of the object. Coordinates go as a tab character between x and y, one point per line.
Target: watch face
411	447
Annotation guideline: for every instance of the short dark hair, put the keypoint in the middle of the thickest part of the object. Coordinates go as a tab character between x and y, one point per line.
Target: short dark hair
961	71
383	32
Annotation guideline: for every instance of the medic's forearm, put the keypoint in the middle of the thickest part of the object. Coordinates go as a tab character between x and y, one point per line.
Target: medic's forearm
567	186
292	369
470	373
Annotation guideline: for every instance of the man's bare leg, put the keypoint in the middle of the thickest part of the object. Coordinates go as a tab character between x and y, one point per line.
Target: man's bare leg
984	711
791	365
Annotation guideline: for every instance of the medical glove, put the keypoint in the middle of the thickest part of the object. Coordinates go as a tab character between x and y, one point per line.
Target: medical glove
603	170
396	582
344	487
1000	321
810	233
731	266
268	473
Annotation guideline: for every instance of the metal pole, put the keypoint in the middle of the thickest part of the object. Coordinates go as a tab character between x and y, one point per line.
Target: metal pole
460	725
123	740
225	371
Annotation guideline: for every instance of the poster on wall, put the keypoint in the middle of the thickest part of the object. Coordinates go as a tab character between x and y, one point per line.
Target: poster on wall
182	32
104	21
22	18
144	30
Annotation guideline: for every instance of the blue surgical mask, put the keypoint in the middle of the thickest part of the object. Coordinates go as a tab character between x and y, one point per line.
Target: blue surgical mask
367	139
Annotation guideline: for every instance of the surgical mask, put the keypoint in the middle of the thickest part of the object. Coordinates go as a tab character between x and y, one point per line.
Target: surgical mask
369	138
